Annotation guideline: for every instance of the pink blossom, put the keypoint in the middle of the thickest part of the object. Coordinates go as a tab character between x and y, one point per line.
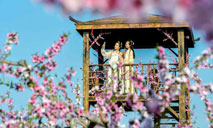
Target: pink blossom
73	72
138	106
20	87
109	94
7	48
53	121
138	85
120	65
35	59
71	108
38	110
12	37
161	50
143	89
32	100
41	59
10	101
100	100
135	98
45	81
80	112
140	78
3	67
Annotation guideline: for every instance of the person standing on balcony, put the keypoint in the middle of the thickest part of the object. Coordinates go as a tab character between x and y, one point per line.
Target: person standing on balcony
114	73
129	56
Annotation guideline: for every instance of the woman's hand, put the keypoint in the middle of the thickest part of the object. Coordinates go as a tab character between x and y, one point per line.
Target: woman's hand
121	57
103	46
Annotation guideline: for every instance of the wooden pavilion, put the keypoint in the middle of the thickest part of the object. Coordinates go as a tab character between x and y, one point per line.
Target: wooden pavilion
146	33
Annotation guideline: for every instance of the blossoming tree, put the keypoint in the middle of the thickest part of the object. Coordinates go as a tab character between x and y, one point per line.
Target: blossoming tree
50	104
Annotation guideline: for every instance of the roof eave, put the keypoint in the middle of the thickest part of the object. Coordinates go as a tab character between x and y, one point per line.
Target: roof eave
131	25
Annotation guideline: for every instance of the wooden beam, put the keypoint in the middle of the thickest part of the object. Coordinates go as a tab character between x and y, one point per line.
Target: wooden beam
173	52
86	71
124	26
173	124
120	98
181	57
173	113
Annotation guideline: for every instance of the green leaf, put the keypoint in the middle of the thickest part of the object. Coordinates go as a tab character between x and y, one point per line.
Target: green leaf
1	81
30	106
8	83
8	54
31	84
157	57
113	99
41	74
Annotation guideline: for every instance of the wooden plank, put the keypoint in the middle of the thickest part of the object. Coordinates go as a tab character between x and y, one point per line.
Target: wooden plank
181	57
125	26
173	52
173	113
86	71
121	98
173	124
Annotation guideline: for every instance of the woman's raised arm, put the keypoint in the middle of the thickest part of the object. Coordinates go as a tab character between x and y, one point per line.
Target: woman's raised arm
104	53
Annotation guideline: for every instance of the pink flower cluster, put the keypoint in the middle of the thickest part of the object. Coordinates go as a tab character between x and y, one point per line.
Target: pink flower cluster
12	38
38	59
50	104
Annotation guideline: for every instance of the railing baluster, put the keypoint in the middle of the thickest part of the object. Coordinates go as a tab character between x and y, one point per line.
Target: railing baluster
153	77
124	72
142	69
148	73
98	77
130	86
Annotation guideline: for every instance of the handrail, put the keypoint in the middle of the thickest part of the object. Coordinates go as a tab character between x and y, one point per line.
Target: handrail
93	65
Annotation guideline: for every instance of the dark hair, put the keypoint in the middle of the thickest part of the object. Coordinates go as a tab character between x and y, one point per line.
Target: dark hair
120	44
131	43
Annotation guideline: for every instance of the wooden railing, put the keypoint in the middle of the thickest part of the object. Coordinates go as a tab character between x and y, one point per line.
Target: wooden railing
98	74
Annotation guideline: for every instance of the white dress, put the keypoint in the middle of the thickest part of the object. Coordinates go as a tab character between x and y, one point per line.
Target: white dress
128	70
113	74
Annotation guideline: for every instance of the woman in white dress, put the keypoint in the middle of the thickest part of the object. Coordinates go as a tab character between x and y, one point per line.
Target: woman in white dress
115	57
129	56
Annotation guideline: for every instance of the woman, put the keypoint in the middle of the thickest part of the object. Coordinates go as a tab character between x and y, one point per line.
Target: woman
129	56
115	57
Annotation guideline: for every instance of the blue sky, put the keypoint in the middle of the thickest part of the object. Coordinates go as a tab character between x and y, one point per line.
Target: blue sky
38	28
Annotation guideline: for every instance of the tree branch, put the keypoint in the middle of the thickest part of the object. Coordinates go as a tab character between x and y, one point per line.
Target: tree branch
22	63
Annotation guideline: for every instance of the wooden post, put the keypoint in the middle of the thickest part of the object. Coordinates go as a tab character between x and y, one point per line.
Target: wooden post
101	68
181	57
156	121
187	90
86	71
